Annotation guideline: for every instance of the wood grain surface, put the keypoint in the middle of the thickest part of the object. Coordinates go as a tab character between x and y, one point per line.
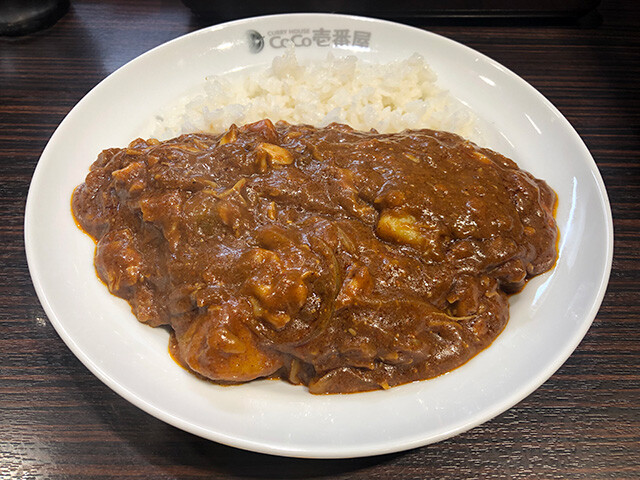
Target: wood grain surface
57	421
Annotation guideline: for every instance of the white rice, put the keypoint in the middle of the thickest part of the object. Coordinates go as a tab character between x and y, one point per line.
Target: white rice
387	97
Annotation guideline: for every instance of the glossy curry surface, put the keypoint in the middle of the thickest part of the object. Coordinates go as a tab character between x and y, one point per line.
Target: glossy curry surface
342	260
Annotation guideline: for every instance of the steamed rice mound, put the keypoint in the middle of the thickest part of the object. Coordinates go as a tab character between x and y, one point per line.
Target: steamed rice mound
387	97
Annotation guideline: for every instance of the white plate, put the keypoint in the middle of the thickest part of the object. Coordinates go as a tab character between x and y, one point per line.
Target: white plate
548	319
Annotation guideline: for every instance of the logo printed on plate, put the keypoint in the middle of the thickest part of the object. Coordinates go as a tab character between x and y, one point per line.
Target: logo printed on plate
307	37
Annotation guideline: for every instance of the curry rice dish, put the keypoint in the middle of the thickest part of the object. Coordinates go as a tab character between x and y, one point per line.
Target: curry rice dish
342	260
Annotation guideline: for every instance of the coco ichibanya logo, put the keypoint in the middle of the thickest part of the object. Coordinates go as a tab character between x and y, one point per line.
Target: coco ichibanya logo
307	37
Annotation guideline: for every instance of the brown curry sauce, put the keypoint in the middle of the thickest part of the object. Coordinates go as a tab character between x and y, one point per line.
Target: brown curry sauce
342	260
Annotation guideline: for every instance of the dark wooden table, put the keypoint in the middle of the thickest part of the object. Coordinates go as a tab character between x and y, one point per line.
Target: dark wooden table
58	421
